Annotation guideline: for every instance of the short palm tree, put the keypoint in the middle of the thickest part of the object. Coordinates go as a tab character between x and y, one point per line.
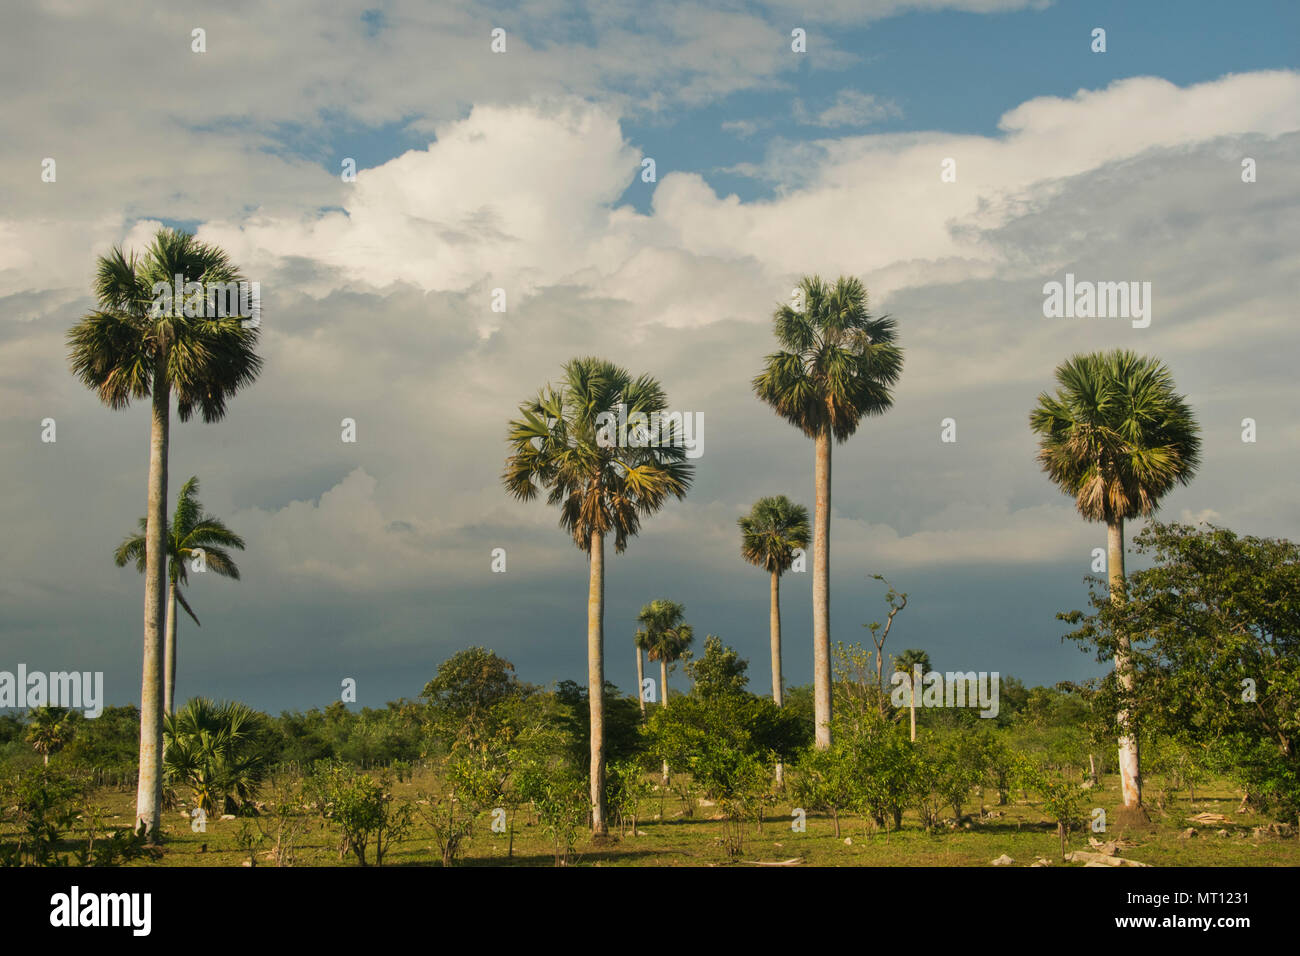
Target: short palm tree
837	364
769	536
910	662
127	349
560	443
1116	437
48	730
667	636
193	534
215	749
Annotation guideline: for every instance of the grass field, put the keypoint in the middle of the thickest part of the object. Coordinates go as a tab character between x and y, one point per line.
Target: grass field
670	836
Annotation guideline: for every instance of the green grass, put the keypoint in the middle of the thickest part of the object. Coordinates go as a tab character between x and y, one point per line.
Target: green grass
1023	832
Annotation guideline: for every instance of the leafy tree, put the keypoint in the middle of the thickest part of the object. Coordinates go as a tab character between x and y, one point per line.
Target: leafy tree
106	747
555	791
465	693
41	809
827	781
127	349
1062	799
627	788
561	443
363	807
1215	650
836	364
1116	437
193	535
622	723
725	737
720	673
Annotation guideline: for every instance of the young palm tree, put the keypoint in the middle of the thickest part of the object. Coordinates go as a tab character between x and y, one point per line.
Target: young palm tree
48	730
563	443
215	750
128	349
769	535
667	636
909	662
836	364
192	532
1116	437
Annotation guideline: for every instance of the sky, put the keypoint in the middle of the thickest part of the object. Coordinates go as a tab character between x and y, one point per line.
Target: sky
523	171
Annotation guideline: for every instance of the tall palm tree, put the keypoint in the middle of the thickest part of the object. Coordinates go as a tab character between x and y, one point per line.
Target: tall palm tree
836	364
1117	437
192	532
769	535
908	663
128	348
561	443
49	729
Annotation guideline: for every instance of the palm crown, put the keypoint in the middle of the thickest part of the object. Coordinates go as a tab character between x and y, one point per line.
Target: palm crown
191	531
1116	436
599	489
665	635
115	349
837	362
771	532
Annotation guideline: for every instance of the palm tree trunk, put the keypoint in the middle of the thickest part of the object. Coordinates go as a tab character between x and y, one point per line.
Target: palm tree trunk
663	695
775	627
911	679
169	653
822	592
1129	771
148	800
596	680
640	680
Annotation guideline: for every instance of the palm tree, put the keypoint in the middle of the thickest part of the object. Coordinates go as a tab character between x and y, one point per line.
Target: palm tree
642	641
1116	437
48	730
769	535
602	487
909	662
192	533
667	636
216	750
129	348
836	365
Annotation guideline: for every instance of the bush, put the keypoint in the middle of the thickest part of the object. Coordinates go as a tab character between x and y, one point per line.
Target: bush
362	806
